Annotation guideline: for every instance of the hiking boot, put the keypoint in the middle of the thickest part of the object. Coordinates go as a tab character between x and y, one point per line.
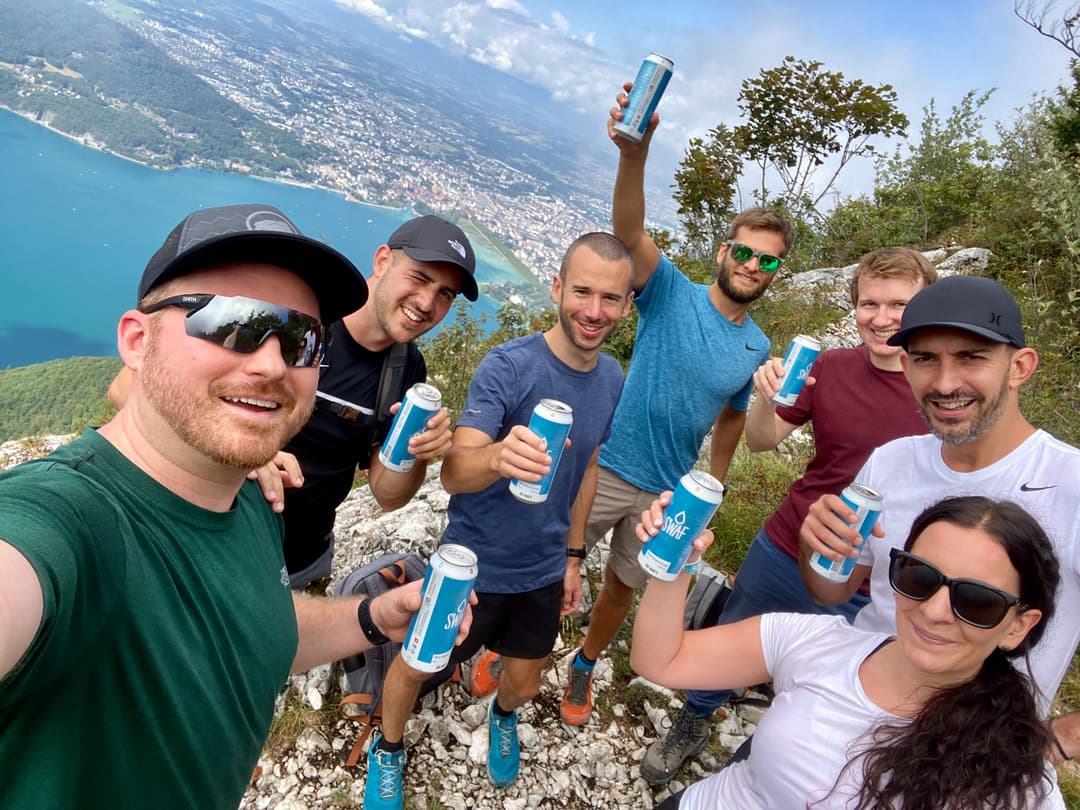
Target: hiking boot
504	753
485	674
577	699
385	770
687	737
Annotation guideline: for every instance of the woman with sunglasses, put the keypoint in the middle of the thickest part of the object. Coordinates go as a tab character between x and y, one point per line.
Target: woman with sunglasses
934	717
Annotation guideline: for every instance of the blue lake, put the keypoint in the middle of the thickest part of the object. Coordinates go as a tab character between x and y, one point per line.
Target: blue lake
77	227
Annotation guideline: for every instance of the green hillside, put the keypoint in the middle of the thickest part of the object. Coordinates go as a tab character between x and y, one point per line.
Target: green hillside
61	396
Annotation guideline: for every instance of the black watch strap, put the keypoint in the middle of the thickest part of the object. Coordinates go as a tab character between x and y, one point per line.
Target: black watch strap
371	632
575	552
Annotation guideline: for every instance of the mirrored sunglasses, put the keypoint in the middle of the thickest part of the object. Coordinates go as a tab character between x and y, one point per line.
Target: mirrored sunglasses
744	253
973	602
243	324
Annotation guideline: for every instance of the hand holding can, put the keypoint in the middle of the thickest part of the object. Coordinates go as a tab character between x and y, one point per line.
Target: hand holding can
692	506
866	503
798	359
649	85
551	421
421	402
448	583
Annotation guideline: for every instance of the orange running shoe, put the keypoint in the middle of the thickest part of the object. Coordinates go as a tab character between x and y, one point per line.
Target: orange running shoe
577	699
485	674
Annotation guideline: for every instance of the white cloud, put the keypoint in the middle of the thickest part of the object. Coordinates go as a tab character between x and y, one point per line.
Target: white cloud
369	9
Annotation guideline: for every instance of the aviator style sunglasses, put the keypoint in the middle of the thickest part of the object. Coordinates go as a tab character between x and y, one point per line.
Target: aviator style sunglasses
744	253
243	324
973	602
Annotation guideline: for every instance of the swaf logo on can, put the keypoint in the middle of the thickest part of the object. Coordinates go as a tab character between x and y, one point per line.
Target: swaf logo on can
676	526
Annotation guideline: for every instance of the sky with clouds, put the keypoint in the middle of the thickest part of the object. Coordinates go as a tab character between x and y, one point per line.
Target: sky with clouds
581	52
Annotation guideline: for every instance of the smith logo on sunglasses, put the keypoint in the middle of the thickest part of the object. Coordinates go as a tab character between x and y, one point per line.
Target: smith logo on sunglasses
243	325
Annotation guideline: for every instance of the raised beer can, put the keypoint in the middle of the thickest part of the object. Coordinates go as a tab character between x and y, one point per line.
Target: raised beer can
651	81
798	359
448	581
421	402
692	506
866	503
551	421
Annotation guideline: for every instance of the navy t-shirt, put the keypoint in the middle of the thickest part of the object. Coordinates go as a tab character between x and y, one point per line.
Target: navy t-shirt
520	546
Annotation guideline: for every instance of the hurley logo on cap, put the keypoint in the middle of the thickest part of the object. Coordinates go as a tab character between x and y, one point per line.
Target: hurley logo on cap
457	246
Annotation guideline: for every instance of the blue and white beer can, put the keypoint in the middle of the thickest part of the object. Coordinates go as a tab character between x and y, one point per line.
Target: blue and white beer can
551	421
798	360
448	581
866	503
421	402
692	506
649	85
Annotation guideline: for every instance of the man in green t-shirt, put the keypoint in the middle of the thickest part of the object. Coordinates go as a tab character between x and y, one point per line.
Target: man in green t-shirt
146	620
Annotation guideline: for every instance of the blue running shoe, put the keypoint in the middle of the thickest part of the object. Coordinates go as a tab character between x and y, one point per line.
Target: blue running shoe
504	753
385	770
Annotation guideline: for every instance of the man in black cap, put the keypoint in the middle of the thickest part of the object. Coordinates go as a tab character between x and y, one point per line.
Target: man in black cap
146	620
415	277
966	359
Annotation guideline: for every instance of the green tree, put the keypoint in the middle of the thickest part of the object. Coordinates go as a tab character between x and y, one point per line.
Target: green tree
706	187
797	116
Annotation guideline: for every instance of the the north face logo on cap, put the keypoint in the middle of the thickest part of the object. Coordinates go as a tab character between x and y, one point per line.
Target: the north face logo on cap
457	246
269	221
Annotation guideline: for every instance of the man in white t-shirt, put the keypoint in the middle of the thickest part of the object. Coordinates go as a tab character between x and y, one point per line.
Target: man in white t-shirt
966	358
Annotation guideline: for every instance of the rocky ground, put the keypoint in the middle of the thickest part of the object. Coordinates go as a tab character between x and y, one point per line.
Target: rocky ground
595	766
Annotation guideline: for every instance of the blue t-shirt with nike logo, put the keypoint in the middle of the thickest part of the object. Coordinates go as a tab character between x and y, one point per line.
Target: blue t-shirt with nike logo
689	362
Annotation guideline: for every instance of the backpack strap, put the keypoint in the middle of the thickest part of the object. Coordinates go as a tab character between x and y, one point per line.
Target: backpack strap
367	720
394	574
390	381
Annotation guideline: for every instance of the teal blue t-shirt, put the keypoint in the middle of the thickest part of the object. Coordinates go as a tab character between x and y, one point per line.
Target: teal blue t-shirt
689	362
168	631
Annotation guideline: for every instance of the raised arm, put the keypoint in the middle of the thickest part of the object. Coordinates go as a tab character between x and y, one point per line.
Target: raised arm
628	199
21	606
722	657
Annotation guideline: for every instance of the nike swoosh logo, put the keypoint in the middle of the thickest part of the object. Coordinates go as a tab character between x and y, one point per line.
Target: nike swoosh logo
1030	488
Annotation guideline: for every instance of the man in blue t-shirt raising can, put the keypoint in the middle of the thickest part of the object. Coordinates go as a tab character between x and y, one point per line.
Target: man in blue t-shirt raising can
695	354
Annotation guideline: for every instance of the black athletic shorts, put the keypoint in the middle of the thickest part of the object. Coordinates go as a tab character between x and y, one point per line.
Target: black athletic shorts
518	625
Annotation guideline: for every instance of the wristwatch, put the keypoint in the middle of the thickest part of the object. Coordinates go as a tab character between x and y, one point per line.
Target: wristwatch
576	552
371	632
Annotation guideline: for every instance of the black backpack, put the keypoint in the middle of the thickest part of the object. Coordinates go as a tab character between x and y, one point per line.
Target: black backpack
364	673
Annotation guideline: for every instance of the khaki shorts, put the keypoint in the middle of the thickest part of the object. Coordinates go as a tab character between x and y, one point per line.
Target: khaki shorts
618	506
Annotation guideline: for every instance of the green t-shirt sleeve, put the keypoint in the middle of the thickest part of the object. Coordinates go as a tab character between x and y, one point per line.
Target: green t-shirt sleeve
75	543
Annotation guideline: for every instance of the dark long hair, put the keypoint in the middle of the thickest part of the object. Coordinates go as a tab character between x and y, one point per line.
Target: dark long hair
980	744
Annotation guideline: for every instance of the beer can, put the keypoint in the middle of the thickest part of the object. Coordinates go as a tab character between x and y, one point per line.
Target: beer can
421	402
551	421
651	81
798	359
692	506
866	503
448	581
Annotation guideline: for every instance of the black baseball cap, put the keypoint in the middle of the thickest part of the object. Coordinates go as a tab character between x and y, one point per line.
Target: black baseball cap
433	239
971	303
257	233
